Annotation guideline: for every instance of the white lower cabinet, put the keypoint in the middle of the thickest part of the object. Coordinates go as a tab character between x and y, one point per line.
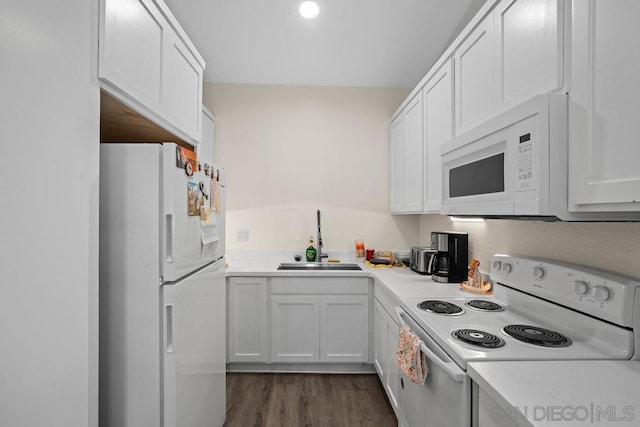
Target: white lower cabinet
298	320
247	331
344	328
487	412
380	355
307	327
295	332
386	333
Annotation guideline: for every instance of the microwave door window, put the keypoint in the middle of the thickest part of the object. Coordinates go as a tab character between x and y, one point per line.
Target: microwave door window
483	176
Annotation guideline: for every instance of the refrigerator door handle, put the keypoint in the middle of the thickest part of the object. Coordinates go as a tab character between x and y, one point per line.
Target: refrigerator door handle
169	329
169	226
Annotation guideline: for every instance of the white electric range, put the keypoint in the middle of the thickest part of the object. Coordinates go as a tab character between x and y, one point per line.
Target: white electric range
540	310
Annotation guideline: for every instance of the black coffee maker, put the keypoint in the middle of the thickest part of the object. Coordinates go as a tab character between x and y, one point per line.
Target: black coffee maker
452	259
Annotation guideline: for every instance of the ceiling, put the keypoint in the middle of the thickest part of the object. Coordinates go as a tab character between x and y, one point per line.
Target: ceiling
371	43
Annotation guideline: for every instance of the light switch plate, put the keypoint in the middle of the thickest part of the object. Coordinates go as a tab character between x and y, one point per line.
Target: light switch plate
242	234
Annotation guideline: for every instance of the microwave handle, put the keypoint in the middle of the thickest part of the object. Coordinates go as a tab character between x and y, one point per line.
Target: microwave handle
449	367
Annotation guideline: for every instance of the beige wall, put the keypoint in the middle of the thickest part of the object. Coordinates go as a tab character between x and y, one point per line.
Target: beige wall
609	246
289	150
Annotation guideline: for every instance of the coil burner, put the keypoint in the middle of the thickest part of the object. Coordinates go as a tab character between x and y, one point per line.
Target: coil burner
537	336
440	307
484	305
478	338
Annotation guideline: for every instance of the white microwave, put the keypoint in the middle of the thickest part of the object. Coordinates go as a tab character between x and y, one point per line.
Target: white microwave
514	166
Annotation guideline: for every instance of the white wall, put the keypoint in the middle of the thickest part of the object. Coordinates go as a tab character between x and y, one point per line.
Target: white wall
608	246
289	150
49	187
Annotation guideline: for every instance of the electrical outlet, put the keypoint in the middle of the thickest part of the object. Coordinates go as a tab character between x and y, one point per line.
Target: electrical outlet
242	234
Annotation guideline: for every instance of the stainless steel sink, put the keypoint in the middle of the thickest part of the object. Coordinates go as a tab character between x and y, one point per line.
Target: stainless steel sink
311	266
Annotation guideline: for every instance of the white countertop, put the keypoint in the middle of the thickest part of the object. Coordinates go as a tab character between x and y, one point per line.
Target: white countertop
402	282
537	394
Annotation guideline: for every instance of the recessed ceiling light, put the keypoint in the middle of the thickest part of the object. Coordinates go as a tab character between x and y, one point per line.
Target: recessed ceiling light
309	9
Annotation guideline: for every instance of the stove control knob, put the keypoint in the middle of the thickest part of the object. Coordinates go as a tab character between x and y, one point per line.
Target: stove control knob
580	287
506	267
497	265
538	272
602	293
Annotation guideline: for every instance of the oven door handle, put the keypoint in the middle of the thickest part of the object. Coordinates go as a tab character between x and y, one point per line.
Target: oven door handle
449	367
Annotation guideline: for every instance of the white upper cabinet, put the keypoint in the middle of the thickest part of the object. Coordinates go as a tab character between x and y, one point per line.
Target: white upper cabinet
527	50
407	158
183	87
396	154
473	61
438	129
131	48
603	106
511	51
206	148
148	63
413	156
514	53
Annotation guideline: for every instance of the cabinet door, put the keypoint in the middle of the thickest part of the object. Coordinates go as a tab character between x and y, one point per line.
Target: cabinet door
380	354
131	49
413	156
247	330
344	328
182	86
527	50
393	378
207	143
438	124
396	155
295	328
603	107
474	78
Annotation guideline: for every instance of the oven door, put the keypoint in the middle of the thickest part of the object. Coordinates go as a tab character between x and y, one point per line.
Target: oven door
445	398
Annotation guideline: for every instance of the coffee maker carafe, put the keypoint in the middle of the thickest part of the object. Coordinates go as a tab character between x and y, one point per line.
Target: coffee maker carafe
452	259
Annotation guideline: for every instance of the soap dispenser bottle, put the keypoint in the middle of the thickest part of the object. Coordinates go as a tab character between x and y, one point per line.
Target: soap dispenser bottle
311	251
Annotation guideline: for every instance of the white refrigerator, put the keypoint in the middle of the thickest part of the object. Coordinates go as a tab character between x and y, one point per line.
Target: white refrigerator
162	288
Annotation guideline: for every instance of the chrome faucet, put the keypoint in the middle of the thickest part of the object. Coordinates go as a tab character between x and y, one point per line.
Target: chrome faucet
319	254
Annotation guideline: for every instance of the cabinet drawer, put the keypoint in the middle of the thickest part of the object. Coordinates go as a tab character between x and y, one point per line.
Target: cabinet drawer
320	285
386	300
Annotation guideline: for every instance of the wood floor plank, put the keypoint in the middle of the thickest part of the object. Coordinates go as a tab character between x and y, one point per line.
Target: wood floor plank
306	400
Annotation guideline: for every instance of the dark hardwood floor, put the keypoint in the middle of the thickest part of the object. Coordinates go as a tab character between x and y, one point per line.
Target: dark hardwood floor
296	400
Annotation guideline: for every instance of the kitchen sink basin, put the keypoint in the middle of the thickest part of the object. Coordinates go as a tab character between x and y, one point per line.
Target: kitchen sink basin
314	266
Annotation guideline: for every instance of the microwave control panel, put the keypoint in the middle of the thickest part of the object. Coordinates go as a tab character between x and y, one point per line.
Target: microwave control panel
525	162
